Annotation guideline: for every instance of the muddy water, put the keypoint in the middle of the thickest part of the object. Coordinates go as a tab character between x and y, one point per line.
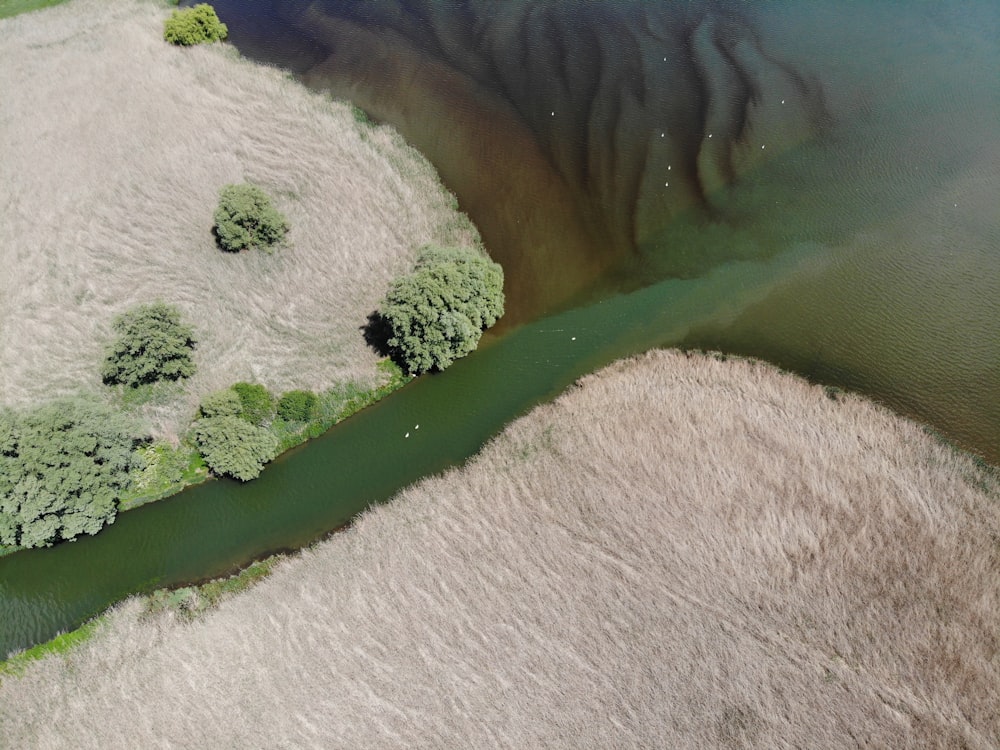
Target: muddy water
606	145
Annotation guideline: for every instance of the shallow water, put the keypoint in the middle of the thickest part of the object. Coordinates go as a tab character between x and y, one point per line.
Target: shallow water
605	145
859	246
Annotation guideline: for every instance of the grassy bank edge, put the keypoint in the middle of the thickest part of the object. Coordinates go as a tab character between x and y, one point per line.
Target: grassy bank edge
187	602
10	8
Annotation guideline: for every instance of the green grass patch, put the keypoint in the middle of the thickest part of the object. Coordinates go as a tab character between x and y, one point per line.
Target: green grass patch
163	470
10	8
337	404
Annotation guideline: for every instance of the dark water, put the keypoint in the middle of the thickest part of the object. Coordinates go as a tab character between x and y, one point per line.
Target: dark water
814	183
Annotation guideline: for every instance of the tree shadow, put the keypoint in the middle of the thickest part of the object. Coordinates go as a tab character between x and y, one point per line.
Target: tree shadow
377	332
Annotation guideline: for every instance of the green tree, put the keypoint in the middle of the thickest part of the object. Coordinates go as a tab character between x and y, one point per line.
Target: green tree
197	25
152	345
298	406
245	218
233	447
224	403
256	402
62	469
437	313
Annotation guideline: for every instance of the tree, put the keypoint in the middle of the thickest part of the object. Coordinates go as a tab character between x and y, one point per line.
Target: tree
62	468
197	25
231	446
224	403
298	406
256	402
245	218
437	313
152	345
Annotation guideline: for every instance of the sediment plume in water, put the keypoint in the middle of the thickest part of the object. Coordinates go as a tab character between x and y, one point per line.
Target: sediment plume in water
572	132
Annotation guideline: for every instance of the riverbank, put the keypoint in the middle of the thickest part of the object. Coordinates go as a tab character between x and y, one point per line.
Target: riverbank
680	550
108	184
116	145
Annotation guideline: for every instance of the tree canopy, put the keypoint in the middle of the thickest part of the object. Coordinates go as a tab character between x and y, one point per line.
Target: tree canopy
245	219
197	25
62	469
232	446
256	402
437	313
152	345
298	406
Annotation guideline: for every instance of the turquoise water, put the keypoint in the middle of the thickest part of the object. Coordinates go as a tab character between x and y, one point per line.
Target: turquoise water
632	204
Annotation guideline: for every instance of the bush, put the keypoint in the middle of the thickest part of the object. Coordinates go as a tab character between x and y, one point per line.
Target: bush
152	345
438	313
197	25
256	402
224	403
298	406
233	447
245	218
62	469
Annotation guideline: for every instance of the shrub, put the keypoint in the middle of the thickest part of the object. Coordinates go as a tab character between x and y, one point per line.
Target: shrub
197	25
231	446
245	218
256	402
225	403
298	406
438	313
152	345
62	469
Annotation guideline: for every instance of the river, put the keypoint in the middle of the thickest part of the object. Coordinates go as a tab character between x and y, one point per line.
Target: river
816	184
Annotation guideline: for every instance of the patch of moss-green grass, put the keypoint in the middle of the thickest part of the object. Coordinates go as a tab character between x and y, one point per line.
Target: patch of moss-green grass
10	8
163	470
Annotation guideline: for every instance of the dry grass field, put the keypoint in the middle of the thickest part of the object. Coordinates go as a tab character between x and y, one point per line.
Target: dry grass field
680	552
113	147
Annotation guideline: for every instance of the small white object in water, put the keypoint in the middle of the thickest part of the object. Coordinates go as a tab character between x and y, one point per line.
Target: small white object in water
782	101
417	427
668	167
666	184
406	435
663	135
956	205
553	114
664	59
573	339
762	147
709	135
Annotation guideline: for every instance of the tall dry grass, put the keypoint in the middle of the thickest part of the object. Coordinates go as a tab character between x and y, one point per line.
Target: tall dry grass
681	552
113	147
